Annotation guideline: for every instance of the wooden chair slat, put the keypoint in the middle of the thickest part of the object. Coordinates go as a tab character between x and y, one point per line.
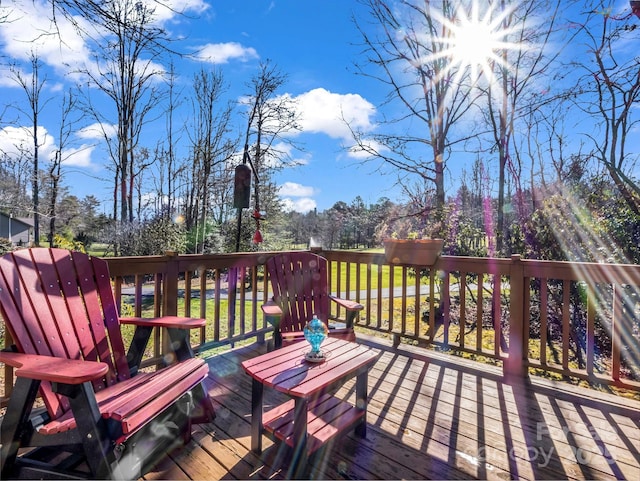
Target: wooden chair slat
76	311
138	400
60	304
34	313
53	305
110	316
300	288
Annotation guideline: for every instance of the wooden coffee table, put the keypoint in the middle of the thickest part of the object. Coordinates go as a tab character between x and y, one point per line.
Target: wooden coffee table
313	415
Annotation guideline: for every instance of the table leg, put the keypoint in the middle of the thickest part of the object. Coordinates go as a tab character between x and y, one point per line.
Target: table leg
257	390
300	453
362	381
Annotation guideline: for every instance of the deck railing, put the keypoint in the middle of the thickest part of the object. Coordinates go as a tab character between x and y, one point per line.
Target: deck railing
578	321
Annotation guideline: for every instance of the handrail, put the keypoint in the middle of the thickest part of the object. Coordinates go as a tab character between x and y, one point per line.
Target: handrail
565	319
570	320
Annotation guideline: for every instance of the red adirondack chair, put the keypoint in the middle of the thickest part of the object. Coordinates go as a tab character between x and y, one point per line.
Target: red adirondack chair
104	417
300	285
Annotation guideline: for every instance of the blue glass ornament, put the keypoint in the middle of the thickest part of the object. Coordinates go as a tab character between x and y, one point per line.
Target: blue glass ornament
315	331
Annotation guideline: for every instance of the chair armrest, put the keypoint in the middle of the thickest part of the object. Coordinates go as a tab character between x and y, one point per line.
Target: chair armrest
175	322
54	369
178	329
272	314
347	304
351	307
270	308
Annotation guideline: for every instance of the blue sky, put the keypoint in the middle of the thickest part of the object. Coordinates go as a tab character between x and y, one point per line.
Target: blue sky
313	42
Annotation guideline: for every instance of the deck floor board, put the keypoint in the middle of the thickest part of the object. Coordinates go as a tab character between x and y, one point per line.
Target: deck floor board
430	416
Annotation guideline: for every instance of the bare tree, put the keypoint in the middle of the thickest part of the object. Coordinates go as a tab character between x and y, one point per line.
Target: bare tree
142	162
609	90
221	189
124	70
65	131
32	84
15	178
270	118
556	161
210	147
170	154
517	75
411	53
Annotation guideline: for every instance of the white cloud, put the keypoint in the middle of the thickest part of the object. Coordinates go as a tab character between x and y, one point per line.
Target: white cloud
302	205
6	77
17	141
220	53
370	146
171	9
28	31
97	131
300	160
293	189
297	197
325	112
280	151
78	157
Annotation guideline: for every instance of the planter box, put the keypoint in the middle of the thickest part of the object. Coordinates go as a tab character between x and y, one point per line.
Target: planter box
418	252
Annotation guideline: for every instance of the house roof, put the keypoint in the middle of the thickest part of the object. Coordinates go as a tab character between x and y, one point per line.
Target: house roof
23	220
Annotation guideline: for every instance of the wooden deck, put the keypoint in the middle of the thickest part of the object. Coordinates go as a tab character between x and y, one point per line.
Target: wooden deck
430	416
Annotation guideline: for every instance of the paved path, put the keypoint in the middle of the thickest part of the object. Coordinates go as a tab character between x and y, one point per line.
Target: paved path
148	290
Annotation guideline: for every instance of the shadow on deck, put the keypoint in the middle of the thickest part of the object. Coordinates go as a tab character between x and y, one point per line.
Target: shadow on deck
430	416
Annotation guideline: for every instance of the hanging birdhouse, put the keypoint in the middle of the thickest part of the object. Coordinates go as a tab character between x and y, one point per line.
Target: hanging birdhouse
242	187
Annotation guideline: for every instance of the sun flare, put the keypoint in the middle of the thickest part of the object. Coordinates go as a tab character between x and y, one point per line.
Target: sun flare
477	43
474	43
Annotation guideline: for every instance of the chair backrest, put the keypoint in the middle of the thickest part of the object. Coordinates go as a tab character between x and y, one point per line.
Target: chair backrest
60	303
300	286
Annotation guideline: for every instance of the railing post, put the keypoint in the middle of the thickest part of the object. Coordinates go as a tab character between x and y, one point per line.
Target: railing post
232	294
170	281
514	365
